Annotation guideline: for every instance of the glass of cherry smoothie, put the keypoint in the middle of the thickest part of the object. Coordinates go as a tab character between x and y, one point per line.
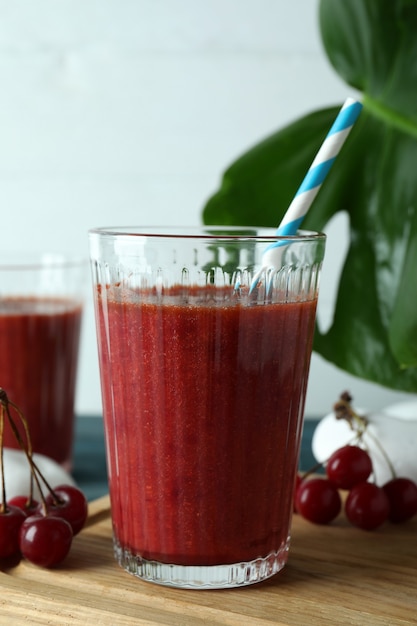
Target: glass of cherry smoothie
41	298
203	378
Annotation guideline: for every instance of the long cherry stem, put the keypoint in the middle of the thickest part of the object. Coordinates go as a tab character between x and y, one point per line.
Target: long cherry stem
320	464
36	474
343	410
383	452
3	506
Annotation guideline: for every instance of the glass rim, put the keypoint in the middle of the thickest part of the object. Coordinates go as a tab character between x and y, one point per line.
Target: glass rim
205	232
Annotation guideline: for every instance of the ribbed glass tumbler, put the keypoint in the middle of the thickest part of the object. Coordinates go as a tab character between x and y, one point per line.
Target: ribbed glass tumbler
203	377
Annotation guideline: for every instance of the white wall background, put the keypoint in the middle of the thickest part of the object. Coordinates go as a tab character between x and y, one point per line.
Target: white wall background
127	111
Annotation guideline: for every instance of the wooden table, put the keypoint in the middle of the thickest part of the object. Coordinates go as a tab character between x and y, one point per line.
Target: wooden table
336	575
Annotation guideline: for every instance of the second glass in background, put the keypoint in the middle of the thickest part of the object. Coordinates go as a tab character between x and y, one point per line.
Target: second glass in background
41	301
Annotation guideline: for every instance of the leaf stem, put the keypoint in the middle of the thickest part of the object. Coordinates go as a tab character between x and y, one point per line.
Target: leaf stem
389	116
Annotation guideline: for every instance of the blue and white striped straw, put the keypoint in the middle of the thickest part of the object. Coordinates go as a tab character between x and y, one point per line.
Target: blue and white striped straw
320	167
311	184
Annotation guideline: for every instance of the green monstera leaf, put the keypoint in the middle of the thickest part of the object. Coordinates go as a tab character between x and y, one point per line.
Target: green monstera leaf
372	44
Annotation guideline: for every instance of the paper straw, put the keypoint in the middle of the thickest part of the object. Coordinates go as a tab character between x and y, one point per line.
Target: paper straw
320	167
311	184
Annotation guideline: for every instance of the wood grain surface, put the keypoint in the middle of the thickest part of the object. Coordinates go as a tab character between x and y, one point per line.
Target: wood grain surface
336	575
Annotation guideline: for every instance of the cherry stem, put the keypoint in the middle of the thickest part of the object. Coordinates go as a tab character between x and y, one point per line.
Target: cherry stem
3	506
36	474
313	469
359	424
321	464
4	398
343	410
383	452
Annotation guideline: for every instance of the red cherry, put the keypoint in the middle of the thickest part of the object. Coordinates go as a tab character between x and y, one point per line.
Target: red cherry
27	505
367	506
349	466
45	540
318	500
402	496
69	503
10	522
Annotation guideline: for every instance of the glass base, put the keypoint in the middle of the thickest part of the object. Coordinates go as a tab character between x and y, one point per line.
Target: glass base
202	576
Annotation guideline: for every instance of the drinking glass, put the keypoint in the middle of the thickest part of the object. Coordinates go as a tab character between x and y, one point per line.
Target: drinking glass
41	300
203	379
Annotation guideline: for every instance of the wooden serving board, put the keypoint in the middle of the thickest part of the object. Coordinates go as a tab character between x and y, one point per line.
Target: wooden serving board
336	575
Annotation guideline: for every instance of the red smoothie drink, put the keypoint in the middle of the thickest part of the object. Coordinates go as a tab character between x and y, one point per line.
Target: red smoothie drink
203	403
39	339
204	356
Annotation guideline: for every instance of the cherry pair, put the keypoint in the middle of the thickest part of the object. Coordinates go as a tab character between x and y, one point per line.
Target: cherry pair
41	532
